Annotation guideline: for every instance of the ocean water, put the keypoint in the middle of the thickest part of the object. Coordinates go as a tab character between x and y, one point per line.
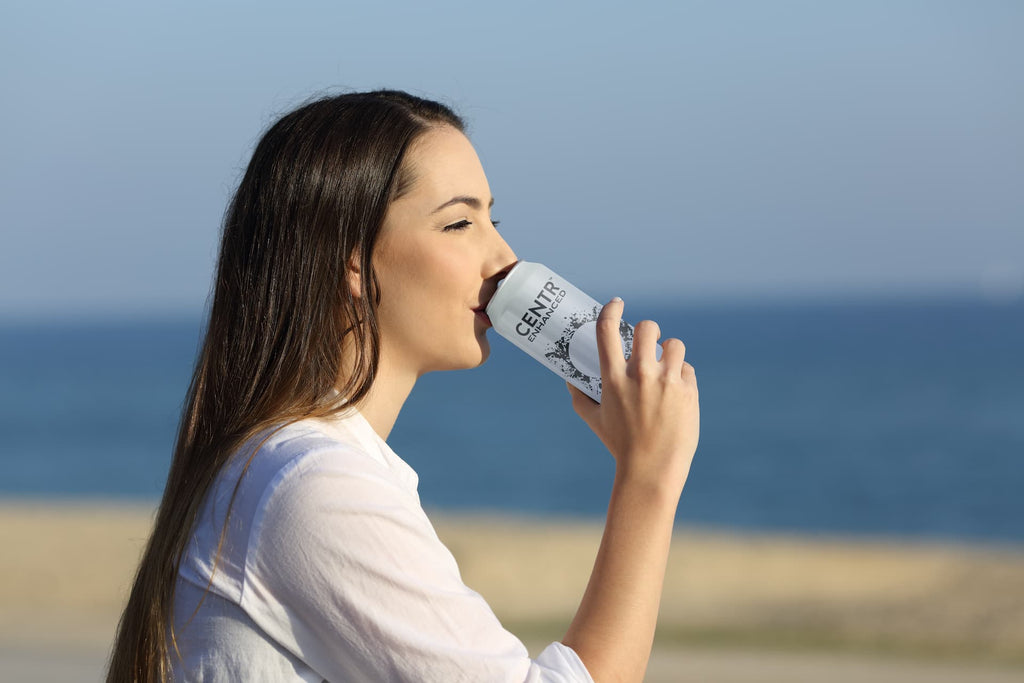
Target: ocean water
880	419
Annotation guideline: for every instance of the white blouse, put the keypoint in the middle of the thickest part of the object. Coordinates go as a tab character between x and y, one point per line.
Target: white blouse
330	570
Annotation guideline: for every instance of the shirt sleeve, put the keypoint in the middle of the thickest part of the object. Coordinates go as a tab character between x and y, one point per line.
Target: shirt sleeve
344	570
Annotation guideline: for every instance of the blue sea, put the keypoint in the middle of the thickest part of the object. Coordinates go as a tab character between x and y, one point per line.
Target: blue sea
869	419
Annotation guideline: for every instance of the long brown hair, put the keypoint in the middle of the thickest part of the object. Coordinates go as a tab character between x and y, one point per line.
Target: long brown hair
311	202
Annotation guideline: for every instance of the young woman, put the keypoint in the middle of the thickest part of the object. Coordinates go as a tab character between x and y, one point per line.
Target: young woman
358	254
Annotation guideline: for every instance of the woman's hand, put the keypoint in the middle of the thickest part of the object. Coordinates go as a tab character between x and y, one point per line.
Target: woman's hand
649	417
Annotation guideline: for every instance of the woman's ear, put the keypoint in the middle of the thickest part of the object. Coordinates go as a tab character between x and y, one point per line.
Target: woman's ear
354	276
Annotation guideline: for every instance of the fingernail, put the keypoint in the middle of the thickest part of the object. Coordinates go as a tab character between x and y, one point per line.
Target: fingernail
617	299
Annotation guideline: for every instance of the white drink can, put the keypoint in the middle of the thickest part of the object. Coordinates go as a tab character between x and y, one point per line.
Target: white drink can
554	322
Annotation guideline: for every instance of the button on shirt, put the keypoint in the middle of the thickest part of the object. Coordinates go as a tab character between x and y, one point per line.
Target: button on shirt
330	570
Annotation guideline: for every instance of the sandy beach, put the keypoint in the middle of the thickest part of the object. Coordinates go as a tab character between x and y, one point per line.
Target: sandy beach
736	607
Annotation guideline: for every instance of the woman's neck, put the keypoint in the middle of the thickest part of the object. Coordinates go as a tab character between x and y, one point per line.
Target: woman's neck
386	397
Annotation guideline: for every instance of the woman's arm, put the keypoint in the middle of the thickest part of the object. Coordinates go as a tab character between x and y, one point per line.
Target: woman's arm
649	420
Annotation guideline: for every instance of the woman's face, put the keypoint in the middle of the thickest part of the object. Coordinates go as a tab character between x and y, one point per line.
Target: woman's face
438	259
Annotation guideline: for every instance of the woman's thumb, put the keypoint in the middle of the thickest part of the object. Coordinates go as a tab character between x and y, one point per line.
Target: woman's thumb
584	406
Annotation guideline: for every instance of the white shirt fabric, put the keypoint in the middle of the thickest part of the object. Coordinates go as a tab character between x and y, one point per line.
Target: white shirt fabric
330	570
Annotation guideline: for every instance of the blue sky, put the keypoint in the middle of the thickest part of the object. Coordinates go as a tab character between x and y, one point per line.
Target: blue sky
672	151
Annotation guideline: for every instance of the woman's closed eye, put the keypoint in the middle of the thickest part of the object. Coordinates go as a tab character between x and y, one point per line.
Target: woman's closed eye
460	225
463	224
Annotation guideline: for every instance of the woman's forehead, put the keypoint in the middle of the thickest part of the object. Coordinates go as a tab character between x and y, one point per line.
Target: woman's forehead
444	165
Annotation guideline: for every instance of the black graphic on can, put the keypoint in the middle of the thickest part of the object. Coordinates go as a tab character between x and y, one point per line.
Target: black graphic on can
578	362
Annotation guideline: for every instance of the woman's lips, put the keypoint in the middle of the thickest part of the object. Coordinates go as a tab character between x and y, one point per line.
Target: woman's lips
482	314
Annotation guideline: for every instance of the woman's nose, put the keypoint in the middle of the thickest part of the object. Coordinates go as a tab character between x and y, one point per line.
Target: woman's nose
502	257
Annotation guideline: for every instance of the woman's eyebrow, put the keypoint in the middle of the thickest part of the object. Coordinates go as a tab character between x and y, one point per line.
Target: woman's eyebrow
471	202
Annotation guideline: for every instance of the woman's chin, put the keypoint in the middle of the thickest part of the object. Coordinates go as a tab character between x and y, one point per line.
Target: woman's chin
468	358
480	354
485	352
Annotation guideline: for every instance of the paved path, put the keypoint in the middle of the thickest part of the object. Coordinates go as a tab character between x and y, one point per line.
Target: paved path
749	666
703	665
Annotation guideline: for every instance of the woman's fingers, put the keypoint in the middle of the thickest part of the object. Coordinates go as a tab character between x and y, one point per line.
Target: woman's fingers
609	341
645	342
649	417
673	353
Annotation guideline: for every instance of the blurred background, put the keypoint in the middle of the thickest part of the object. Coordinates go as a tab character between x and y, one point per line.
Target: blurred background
825	201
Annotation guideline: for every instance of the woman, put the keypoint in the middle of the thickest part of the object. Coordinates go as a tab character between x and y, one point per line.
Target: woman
358	254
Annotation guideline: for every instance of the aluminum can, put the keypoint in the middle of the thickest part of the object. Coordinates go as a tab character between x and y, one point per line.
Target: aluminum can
554	322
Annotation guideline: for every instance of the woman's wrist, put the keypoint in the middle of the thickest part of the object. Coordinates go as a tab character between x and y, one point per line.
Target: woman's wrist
662	486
